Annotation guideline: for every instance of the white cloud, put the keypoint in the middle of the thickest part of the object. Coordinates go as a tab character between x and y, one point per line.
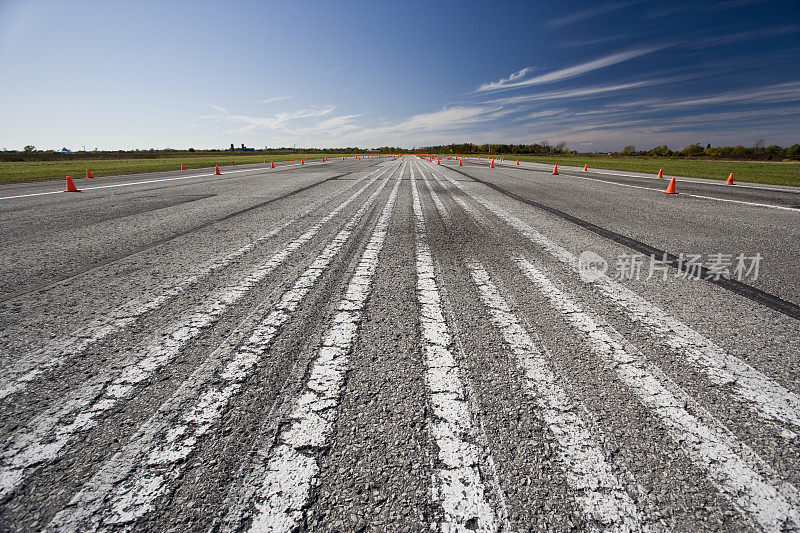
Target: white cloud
566	73
276	99
587	14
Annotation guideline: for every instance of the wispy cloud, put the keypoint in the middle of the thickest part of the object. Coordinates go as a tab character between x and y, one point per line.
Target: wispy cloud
573	93
745	36
514	80
783	92
276	99
587	14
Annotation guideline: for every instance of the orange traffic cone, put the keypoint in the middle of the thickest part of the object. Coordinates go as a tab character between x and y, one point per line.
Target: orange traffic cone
729	181
233	163
216	170
491	165
459	163
272	164
182	167
555	170
438	161
265	160
586	168
660	173
71	186
671	187
302	161
292	159
89	173
517	162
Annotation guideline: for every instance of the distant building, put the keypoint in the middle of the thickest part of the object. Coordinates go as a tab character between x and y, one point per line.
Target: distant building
65	151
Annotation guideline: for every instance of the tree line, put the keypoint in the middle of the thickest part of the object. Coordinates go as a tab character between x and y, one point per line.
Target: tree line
757	152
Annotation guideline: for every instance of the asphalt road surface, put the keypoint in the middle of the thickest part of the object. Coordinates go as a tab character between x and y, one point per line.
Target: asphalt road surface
391	344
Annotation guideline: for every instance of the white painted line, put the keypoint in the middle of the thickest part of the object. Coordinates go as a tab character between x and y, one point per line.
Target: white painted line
756	391
435	197
598	492
25	370
458	485
715	183
755	204
282	493
476	217
159	180
43	439
738	473
126	487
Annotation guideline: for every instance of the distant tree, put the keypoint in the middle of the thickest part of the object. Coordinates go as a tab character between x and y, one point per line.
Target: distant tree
29	148
629	150
693	150
232	148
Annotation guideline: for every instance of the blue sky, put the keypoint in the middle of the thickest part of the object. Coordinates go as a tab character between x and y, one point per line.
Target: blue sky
598	75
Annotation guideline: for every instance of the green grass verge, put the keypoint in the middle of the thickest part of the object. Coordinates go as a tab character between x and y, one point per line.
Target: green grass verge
21	171
770	172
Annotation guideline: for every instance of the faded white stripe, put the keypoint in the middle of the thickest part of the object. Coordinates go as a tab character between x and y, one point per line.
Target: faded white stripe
749	483
435	197
16	378
477	217
599	493
125	488
280	491
458	485
43	439
756	391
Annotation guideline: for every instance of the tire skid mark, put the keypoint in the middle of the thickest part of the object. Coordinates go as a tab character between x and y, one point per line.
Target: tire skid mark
277	489
126	487
457	482
737	472
758	392
598	492
43	439
17	377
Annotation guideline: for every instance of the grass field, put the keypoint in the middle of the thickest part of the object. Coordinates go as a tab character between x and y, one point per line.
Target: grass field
774	173
20	171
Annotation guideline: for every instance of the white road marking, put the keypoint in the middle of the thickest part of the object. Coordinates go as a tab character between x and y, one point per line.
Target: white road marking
715	183
17	377
755	204
280	491
597	491
458	485
477	217
747	481
756	391
435	197
43	438
126	487
159	180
